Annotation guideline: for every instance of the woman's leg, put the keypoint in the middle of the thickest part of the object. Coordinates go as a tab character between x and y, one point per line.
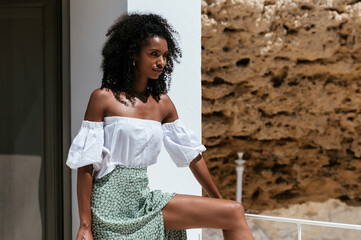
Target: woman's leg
186	211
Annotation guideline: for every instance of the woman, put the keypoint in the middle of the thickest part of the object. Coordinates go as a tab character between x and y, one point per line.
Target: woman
124	125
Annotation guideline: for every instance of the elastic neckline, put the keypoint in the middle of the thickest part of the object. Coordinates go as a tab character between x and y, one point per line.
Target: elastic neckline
175	122
91	124
132	118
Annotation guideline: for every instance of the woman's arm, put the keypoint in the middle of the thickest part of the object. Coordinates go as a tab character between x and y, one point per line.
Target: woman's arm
96	109
84	189
200	171
198	165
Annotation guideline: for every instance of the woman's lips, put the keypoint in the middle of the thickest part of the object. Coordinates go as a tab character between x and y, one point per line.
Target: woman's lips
159	71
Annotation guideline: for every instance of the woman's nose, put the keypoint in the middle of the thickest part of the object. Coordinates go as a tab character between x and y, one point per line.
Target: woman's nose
161	61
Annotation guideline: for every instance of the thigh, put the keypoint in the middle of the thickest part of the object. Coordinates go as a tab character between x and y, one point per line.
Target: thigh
186	211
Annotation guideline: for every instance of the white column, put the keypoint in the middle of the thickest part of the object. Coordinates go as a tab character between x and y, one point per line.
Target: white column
185	17
89	22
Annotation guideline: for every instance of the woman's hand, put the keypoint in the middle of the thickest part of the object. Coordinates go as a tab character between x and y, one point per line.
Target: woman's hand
84	233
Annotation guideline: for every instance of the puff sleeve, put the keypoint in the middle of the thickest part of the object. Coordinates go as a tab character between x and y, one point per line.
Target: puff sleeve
181	143
87	146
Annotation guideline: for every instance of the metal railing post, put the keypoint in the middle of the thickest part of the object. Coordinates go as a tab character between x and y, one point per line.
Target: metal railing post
239	169
299	226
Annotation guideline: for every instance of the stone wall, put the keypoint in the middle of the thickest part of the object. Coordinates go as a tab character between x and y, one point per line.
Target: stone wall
281	81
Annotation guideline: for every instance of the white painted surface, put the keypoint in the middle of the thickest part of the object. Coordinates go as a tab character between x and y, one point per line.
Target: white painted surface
185	17
89	21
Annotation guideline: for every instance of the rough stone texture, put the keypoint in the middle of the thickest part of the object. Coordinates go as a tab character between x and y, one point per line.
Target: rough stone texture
281	82
330	211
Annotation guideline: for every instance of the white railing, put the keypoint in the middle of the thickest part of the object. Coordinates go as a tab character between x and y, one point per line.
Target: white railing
240	161
301	222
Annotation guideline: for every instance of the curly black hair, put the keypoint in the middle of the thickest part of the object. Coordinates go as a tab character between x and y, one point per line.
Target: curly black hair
125	39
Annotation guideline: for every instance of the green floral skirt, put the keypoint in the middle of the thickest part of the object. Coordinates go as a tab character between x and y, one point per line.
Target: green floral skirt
123	207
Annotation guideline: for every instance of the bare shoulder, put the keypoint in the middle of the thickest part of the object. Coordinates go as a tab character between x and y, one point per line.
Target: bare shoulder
98	104
164	99
168	109
105	92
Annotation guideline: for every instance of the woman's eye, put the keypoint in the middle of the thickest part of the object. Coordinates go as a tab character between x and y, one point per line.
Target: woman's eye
154	54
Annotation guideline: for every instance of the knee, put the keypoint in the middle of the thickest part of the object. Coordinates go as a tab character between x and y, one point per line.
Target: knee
238	210
235	214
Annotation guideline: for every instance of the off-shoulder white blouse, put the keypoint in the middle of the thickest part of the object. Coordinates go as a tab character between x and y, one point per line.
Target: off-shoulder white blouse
130	142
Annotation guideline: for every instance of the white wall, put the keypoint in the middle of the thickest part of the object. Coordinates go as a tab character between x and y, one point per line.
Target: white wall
185	17
89	21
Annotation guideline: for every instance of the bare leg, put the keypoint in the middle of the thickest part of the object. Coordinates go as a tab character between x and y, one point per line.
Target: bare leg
185	211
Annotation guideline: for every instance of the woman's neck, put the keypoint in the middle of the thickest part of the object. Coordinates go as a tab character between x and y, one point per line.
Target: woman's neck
140	84
140	91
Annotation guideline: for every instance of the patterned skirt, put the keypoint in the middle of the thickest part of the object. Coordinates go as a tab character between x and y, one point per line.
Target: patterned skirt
123	207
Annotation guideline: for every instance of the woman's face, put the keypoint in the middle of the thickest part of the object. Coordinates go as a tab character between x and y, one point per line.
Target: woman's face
150	62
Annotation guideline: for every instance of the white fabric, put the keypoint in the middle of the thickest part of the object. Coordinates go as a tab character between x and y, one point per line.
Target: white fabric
130	142
181	143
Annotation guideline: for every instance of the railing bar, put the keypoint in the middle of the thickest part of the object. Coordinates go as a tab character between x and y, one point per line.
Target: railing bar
299	231
306	222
